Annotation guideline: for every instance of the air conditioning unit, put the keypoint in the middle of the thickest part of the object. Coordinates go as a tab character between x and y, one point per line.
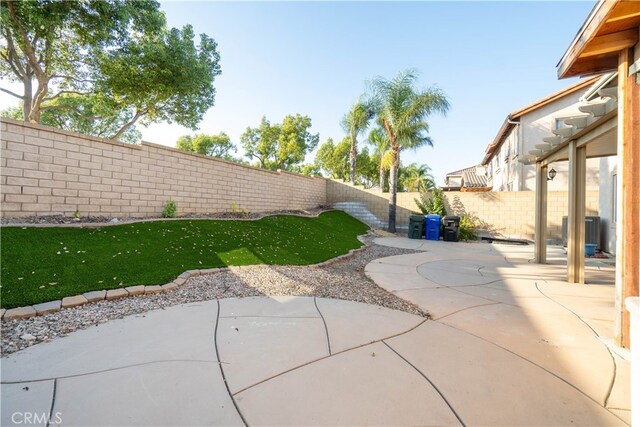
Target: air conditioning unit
591	230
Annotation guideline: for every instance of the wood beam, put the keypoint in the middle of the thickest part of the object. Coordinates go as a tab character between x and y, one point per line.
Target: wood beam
610	43
577	196
628	223
541	214
592	65
623	11
596	19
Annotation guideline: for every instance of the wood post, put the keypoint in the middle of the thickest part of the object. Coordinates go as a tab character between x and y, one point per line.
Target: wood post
577	195
628	221
541	214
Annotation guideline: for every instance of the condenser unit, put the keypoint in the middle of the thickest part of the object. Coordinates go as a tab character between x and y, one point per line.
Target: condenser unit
591	230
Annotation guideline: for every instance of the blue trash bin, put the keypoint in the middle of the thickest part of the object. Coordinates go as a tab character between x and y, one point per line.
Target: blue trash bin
432	227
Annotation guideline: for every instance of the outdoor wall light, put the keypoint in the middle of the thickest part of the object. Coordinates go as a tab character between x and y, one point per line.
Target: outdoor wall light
552	174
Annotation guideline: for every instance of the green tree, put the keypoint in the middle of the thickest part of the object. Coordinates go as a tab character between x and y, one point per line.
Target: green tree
100	66
416	178
354	123
210	145
402	109
333	159
166	78
367	168
324	158
309	169
281	146
260	143
340	158
380	142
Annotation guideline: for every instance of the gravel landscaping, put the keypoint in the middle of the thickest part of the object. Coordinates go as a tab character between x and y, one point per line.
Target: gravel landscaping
342	279
103	220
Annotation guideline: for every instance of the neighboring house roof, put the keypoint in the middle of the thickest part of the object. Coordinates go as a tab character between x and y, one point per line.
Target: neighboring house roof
470	177
514	117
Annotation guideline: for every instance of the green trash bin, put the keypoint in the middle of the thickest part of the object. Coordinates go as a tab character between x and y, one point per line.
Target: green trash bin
416	227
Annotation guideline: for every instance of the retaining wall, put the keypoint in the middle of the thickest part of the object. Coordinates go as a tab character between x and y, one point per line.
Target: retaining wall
46	171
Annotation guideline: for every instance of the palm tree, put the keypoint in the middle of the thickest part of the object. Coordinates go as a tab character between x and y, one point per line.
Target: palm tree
418	178
380	141
403	111
354	123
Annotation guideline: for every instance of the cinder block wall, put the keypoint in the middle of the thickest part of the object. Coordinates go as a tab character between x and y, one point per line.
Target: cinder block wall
498	214
47	171
376	201
512	214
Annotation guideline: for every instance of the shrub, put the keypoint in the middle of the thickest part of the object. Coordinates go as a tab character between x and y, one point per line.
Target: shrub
170	209
432	203
467	227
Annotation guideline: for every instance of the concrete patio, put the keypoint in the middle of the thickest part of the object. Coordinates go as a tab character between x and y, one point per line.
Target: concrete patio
509	344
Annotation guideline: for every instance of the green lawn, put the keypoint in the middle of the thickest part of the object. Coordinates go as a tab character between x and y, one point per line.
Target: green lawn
44	264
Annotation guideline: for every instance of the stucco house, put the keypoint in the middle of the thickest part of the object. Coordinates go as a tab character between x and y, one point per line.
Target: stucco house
525	128
473	178
598	100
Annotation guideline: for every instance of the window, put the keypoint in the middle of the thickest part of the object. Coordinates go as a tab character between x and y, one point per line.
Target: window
559	122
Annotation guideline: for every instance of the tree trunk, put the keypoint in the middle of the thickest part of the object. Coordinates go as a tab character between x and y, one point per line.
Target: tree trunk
41	94
393	188
131	122
34	64
352	161
27	99
381	177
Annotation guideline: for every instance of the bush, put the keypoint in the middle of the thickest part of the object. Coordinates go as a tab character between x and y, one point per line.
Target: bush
432	203
467	227
170	209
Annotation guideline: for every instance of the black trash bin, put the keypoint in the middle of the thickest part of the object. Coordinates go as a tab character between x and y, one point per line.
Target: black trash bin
451	232
416	226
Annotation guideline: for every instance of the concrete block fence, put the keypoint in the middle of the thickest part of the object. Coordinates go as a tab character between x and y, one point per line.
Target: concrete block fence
46	171
498	214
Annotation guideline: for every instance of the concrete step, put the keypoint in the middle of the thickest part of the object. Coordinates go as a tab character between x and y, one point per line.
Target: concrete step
360	211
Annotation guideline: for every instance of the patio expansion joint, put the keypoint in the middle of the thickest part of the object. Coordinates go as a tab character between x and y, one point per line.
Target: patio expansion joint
224	378
422	374
257	316
324	322
53	402
462	286
613	359
295	368
465	309
101	371
534	364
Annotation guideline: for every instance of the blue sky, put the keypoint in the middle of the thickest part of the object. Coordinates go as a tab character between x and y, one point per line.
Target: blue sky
314	58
